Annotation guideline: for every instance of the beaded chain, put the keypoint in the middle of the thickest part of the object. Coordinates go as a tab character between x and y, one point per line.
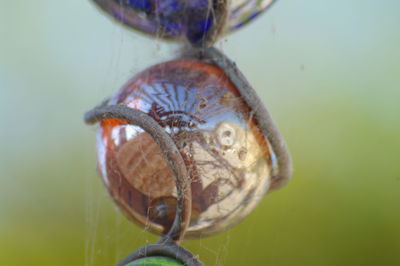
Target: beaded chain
186	148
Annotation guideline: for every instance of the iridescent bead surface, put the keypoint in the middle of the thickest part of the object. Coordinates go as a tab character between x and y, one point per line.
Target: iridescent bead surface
230	163
199	21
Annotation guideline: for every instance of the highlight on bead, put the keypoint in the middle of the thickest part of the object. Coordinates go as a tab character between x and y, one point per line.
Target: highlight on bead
200	22
232	152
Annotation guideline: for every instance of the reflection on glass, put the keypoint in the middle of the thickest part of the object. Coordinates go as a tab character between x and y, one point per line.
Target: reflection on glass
230	164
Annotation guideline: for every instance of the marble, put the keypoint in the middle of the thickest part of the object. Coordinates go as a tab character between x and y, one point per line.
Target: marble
155	261
229	162
199	22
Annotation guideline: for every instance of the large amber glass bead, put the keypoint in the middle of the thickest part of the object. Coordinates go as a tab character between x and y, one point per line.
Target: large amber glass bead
229	162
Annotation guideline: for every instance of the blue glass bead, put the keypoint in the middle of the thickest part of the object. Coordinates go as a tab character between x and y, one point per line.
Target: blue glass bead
198	21
244	11
141	5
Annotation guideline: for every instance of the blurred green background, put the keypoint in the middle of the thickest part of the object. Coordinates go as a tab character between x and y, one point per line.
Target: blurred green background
328	71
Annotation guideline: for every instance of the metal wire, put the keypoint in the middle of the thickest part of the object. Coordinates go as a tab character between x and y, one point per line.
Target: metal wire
163	249
171	152
167	244
260	112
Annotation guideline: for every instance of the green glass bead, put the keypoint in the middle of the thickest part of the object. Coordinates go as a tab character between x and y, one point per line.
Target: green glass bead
155	261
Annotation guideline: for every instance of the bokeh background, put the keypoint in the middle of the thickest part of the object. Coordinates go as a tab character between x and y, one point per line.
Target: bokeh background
329	73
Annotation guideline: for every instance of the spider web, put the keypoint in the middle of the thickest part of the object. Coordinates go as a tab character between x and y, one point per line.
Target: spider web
110	237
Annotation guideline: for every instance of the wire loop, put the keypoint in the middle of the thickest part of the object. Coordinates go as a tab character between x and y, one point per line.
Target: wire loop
172	155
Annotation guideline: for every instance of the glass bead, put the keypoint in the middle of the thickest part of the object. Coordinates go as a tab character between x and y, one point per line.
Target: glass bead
155	261
230	163
200	21
244	11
